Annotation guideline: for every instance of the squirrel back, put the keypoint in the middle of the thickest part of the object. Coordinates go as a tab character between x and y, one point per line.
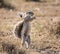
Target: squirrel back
18	29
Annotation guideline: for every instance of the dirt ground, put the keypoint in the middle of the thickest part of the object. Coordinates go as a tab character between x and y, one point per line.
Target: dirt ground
45	29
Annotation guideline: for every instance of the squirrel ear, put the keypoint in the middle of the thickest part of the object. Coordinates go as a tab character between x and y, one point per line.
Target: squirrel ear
21	15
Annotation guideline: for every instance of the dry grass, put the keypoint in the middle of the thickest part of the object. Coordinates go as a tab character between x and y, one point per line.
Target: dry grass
45	31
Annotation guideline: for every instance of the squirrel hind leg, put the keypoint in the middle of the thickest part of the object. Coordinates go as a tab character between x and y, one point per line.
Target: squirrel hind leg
27	41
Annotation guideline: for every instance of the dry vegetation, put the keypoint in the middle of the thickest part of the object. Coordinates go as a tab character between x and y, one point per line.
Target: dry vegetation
45	31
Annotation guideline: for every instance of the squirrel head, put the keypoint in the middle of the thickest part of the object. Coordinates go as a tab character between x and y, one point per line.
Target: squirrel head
27	16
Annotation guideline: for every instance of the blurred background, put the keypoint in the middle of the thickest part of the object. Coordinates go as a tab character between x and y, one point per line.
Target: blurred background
45	29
